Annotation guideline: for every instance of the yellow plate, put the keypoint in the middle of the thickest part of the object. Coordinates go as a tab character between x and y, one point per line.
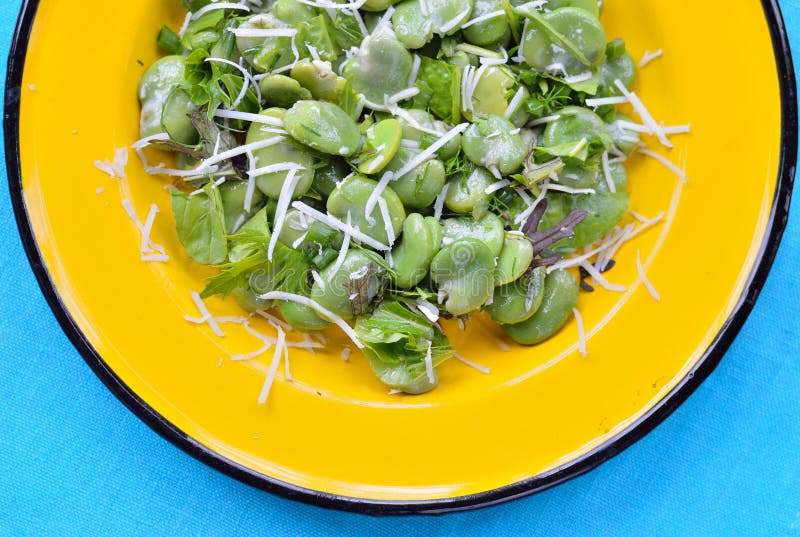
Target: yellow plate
334	436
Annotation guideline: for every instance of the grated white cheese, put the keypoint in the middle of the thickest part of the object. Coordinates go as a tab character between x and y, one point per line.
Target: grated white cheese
273	368
669	165
482	369
607	173
581	331
503	346
285	197
115	168
402	95
644	114
205	314
582	77
412	78
542	121
272	168
274	320
149	251
318	280
642	276
235	152
600	279
263	32
105	167
428	309
570	190
286	372
327	314
346	351
494	187
387	221
247	76
438	205
604	101
219	5
185	24
343	252
423	7
514	103
429	365
455	21
430	151
252	162
324	4
334	222
486	17
650	56
384	20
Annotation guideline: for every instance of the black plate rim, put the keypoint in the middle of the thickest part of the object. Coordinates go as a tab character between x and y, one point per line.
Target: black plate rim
716	350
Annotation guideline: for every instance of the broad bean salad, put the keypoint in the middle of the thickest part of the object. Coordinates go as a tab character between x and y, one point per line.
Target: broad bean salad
384	164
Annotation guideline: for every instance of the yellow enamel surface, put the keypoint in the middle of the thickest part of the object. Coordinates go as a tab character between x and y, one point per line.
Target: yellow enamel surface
336	429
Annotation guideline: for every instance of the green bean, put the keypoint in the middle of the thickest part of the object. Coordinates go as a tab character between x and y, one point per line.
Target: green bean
621	66
488	31
381	67
295	226
175	117
330	172
281	153
489	230
323	126
495	143
265	53
605	211
413	256
233	194
464	272
560	297
380	147
319	79
626	140
418	188
514	259
282	91
351	197
334	294
574	124
493	91
519	300
155	87
301	317
578	37
419	131
466	192
590	6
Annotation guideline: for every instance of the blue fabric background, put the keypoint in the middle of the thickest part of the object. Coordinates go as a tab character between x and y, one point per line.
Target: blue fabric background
74	461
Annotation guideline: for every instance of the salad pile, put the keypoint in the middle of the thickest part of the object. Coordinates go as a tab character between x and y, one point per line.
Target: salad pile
382	165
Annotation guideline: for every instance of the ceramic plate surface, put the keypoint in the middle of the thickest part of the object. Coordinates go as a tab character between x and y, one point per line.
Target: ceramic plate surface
334	437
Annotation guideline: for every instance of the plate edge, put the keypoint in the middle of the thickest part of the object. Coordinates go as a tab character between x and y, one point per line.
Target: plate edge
705	365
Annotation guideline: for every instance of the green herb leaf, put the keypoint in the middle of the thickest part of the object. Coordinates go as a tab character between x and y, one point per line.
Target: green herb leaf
200	222
439	86
396	343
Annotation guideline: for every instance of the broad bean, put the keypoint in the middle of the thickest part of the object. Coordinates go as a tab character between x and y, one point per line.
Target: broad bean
351	197
464	272
413	256
284	151
517	301
560	297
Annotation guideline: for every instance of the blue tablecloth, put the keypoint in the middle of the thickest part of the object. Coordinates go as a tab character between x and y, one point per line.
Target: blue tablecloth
74	461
